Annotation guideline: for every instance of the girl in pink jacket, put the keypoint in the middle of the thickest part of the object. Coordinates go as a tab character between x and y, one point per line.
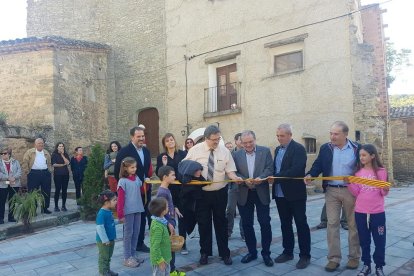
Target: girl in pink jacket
369	209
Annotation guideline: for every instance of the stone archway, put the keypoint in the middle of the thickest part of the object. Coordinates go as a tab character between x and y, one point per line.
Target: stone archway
149	117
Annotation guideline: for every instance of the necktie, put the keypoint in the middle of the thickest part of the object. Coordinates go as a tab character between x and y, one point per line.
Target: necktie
210	166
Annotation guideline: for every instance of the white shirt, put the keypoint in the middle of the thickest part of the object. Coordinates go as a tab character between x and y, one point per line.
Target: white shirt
223	163
40	161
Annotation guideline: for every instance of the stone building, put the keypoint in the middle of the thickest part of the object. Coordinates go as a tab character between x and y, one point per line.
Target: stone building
56	84
402	127
178	66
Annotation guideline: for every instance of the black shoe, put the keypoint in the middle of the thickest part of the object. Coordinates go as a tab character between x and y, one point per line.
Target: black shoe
282	258
12	220
366	270
303	263
64	209
203	259
57	209
344	226
267	261
248	258
227	260
46	211
321	225
379	271
143	248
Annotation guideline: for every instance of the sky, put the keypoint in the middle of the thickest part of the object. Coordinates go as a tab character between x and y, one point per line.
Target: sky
399	18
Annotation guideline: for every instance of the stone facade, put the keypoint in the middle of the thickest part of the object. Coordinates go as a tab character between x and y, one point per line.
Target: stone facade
56	84
402	127
135	31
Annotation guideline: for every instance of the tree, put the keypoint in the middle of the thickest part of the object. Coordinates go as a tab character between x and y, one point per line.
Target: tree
93	183
395	60
401	100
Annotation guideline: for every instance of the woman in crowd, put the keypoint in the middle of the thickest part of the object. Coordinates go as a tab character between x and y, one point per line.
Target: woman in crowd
171	157
10	173
78	165
60	162
109	164
189	143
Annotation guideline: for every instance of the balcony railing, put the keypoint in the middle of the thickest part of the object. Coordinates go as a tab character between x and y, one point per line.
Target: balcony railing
222	98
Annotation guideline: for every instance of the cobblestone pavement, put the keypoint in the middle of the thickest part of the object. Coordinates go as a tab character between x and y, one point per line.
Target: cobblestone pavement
71	249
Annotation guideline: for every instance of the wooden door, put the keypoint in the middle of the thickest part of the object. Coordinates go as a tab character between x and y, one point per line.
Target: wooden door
226	86
150	119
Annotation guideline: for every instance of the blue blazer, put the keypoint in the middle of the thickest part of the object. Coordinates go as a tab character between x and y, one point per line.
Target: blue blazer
293	165
323	163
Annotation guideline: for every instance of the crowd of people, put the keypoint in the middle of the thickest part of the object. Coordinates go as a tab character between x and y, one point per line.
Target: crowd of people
246	176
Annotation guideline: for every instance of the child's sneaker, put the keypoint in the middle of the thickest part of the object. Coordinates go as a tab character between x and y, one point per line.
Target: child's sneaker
131	262
366	270
379	271
177	273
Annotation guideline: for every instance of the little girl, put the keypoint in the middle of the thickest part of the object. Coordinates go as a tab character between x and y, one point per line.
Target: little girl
129	209
105	232
369	209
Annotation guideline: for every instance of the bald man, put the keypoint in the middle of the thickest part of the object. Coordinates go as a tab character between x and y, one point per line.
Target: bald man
37	166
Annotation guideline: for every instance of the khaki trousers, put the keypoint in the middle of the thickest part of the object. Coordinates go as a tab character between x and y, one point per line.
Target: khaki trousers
336	198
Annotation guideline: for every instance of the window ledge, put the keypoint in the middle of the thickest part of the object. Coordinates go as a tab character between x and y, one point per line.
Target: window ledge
222	113
284	74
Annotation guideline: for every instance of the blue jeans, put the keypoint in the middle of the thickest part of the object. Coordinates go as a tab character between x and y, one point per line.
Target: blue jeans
263	216
131	231
375	226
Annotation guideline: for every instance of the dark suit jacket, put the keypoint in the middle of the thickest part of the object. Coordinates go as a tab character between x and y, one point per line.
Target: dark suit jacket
293	165
130	151
263	167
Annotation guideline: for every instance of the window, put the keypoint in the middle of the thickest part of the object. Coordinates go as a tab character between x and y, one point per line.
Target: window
289	62
310	145
357	135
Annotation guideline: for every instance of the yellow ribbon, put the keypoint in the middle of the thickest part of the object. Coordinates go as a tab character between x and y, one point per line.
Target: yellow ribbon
351	179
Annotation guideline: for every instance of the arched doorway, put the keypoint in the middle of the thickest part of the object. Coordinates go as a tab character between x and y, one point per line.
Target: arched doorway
150	119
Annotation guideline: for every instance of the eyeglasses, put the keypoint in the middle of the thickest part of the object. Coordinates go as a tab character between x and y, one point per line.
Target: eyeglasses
4	153
215	140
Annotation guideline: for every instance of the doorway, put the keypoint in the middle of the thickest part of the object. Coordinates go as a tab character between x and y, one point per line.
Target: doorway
150	119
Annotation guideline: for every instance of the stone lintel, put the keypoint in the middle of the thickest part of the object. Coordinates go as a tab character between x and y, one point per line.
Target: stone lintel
286	41
223	57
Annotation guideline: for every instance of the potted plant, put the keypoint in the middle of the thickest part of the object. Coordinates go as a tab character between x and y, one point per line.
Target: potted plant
24	206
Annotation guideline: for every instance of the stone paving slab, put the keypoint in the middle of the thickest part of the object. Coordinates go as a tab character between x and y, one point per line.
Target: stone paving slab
71	250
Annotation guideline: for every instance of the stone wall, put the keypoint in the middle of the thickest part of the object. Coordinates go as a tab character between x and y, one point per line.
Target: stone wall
403	149
136	33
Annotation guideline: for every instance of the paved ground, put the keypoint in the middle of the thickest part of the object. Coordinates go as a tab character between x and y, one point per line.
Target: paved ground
71	249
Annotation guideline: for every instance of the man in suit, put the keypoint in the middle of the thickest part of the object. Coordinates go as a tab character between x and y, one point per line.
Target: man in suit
290	196
141	154
254	163
337	158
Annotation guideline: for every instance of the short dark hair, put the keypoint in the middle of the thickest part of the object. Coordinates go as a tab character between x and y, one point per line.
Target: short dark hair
105	196
157	206
164	171
210	130
76	149
237	136
132	130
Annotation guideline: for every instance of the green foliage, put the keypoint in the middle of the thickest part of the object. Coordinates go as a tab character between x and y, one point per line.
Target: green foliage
3	118
401	100
93	182
24	206
395	60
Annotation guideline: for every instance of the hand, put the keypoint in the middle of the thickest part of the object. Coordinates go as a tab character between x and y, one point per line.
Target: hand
270	180
147	179
121	220
307	179
177	211
387	189
113	160
171	228
257	181
239	180
164	160
107	243
162	266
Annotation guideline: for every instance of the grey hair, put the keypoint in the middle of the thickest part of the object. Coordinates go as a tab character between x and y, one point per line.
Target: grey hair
210	130
286	127
247	133
40	138
342	125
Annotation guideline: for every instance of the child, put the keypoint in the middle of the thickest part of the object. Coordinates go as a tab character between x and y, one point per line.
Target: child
160	254
369	209
189	170
105	232
167	176
129	209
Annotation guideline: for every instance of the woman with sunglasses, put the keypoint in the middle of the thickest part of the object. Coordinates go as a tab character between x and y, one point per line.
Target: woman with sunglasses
10	173
188	144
